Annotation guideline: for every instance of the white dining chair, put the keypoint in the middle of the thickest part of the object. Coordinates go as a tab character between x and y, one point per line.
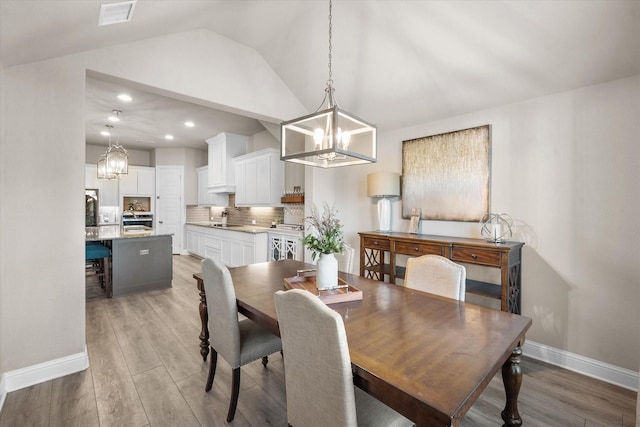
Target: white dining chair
437	275
345	259
317	368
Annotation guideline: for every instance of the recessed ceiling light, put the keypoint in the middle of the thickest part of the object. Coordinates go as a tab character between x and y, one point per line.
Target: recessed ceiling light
189	124
114	13
125	97
115	117
168	136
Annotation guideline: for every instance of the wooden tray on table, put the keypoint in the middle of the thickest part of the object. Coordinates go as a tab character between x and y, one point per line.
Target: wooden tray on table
344	293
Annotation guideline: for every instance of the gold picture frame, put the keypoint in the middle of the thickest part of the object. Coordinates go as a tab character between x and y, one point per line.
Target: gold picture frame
448	175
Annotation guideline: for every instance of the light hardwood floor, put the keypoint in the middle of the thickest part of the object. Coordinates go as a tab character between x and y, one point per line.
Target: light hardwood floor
146	370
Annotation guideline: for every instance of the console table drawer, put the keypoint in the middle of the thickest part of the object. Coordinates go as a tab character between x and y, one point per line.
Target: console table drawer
373	243
418	249
475	256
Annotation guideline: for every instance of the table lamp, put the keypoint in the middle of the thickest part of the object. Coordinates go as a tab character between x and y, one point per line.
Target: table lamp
383	185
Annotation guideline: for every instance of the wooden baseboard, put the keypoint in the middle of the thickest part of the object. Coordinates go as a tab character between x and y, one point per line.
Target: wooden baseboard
612	374
36	374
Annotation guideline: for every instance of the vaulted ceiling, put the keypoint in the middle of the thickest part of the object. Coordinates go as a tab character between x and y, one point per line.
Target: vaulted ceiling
395	63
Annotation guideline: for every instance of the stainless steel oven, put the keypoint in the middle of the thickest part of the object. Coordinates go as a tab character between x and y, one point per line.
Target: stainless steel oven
137	218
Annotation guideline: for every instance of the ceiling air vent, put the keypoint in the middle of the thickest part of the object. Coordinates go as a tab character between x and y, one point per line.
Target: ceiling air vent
114	13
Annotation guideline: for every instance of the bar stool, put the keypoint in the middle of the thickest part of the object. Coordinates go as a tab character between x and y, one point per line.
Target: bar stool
97	263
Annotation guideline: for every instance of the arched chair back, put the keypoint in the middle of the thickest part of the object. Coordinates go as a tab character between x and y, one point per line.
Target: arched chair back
437	275
345	259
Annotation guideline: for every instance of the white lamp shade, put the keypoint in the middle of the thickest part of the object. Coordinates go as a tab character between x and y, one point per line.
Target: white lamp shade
383	184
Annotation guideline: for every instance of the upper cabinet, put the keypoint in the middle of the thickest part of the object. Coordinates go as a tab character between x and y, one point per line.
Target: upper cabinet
107	188
205	198
222	149
259	178
139	181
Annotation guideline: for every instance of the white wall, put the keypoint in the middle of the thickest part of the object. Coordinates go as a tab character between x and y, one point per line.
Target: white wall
262	140
566	168
136	157
42	311
42	170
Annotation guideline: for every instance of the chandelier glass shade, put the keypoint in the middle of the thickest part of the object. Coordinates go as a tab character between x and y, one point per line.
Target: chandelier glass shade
102	168
330	137
117	160
114	162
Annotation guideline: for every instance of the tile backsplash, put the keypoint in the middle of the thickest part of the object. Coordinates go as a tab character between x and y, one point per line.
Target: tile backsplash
243	216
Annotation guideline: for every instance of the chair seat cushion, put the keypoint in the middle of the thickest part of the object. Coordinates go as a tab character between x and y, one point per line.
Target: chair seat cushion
96	251
256	342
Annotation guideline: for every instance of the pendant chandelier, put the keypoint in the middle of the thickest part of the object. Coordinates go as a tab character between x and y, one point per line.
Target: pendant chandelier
114	162
330	137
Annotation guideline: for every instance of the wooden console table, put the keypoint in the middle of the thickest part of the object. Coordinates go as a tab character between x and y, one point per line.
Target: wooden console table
378	252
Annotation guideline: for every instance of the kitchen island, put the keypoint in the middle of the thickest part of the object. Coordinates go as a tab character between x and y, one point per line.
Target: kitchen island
141	259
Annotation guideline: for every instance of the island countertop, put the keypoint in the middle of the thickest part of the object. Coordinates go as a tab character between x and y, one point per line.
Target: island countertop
230	227
114	232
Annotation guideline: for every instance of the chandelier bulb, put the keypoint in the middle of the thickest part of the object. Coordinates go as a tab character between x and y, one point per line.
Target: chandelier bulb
318	137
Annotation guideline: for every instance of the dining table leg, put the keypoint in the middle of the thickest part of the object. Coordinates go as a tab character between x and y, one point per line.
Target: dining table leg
204	319
512	379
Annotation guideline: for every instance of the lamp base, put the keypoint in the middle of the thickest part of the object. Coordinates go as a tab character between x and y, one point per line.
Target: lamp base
384	214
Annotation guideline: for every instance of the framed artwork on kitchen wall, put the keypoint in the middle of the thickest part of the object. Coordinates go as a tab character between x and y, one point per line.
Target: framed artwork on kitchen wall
448	175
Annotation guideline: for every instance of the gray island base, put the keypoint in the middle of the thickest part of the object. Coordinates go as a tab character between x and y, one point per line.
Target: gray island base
141	264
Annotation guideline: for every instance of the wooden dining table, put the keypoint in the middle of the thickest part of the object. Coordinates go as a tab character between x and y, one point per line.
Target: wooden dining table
425	356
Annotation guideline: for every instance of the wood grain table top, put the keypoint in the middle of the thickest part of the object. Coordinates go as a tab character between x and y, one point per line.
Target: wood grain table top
426	356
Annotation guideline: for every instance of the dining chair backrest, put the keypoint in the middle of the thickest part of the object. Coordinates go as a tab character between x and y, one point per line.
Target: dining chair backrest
222	310
239	342
318	376
345	259
437	275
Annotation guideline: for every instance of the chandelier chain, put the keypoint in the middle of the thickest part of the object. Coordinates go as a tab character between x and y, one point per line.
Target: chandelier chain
330	81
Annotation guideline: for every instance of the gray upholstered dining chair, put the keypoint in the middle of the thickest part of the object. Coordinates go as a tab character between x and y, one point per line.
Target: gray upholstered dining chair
238	341
317	368
437	275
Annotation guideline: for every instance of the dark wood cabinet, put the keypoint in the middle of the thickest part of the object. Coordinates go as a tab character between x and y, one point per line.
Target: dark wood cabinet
379	251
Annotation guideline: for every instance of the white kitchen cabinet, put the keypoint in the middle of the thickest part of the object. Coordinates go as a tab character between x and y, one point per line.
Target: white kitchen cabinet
195	240
206	198
239	248
107	188
241	182
222	148
233	248
285	245
129	182
139	181
146	181
212	247
90	176
259	178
